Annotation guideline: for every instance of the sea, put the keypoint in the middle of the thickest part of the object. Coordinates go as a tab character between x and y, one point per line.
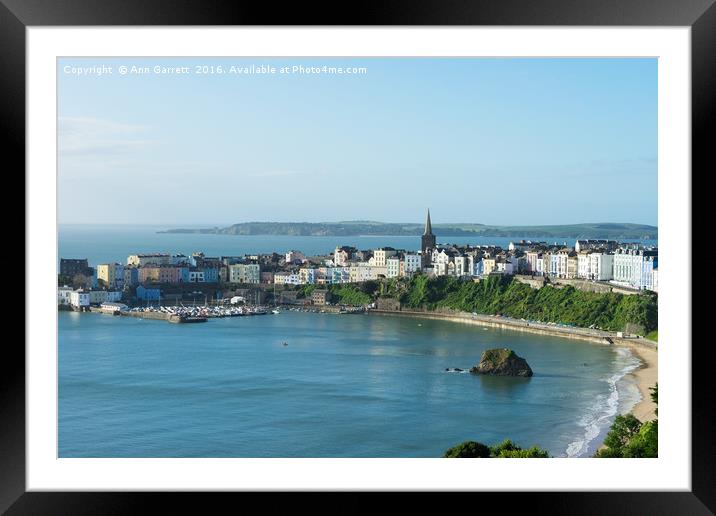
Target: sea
308	385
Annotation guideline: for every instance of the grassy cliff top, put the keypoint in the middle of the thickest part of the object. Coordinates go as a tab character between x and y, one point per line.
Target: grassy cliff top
497	356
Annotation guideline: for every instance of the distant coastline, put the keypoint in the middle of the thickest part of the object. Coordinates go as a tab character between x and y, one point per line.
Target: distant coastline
611	231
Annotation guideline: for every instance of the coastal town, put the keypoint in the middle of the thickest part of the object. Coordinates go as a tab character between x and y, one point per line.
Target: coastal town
444	257
177	279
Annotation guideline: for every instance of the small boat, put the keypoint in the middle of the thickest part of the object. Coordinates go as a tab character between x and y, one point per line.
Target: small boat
275	312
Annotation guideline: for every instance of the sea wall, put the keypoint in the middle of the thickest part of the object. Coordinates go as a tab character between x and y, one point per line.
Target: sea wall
506	323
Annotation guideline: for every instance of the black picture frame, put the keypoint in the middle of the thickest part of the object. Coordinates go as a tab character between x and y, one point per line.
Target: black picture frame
17	15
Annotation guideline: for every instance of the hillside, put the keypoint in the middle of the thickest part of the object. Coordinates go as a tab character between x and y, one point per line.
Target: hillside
610	230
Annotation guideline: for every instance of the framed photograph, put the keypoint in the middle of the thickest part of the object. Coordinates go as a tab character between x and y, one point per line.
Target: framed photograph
316	257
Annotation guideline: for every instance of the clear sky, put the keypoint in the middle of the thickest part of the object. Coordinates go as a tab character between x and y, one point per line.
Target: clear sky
493	141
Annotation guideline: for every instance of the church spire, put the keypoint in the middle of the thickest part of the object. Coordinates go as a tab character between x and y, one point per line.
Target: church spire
428	226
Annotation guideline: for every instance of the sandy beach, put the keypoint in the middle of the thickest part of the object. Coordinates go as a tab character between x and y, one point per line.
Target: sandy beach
646	376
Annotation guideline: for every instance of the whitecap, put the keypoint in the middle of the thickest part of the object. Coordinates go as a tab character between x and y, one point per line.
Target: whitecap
600	414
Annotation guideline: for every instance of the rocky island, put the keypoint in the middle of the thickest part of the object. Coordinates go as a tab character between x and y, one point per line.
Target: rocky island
502	362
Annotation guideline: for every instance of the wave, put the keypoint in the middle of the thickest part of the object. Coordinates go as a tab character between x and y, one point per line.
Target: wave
600	413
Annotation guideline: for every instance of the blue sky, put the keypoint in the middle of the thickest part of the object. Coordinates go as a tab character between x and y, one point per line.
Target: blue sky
493	141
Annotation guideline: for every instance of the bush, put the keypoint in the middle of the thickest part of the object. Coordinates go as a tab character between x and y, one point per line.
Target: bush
468	449
645	443
630	438
506	449
350	294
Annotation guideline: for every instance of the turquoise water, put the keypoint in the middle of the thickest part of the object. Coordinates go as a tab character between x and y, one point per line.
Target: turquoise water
345	386
107	244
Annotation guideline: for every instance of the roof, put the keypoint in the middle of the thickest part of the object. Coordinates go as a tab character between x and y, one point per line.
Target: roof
428	225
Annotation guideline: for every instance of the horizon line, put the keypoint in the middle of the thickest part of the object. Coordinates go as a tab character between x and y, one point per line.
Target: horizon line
212	225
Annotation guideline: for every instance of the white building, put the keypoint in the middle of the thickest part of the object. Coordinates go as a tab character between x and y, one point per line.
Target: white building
583	265
655	279
140	260
307	276
287	278
462	267
340	275
412	263
341	255
295	256
380	256
505	267
601	266
79	299
633	267
361	271
182	259
63	295
392	267
441	260
531	258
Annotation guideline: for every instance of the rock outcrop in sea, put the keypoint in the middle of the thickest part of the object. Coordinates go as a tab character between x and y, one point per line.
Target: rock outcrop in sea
502	362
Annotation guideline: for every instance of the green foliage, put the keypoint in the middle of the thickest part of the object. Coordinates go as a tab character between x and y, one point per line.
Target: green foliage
645	443
497	356
622	430
653	335
507	296
630	438
468	449
506	449
350	294
306	290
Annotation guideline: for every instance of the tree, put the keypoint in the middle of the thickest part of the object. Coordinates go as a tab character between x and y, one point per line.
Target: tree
623	429
468	449
630	438
506	449
645	443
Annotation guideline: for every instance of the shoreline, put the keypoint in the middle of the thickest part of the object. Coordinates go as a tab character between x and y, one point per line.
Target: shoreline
508	323
646	351
646	375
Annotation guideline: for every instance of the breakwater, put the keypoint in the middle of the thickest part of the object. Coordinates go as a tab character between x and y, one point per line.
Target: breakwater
161	316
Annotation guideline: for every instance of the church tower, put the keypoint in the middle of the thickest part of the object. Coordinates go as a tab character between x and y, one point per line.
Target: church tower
427	242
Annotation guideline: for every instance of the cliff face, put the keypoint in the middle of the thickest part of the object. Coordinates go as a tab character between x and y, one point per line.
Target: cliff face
502	362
